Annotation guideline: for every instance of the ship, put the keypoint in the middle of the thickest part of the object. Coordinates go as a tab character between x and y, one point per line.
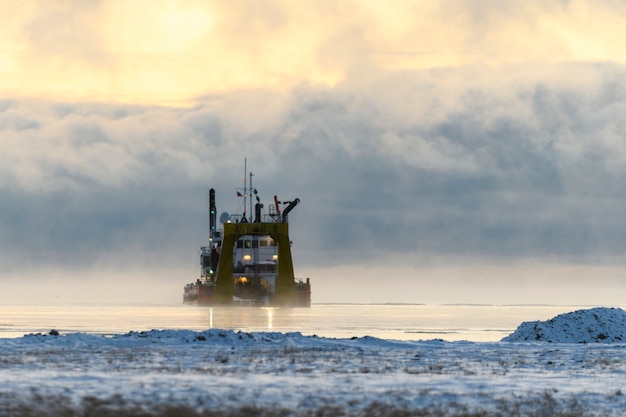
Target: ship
248	259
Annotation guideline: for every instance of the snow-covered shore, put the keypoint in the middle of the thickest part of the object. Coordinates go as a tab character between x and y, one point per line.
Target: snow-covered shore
218	372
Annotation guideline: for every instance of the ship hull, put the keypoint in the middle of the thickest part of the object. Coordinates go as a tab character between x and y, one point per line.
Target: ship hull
204	295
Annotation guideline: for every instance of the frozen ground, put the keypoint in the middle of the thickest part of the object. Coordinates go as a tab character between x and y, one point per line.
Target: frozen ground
216	372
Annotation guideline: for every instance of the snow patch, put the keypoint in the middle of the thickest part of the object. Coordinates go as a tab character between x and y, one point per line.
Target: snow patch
596	325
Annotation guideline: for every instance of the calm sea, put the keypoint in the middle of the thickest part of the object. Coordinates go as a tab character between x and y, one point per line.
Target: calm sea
479	323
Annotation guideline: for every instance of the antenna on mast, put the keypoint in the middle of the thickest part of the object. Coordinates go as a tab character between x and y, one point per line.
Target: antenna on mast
251	191
245	190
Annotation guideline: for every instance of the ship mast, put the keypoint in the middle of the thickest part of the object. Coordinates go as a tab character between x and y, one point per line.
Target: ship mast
212	213
245	190
251	192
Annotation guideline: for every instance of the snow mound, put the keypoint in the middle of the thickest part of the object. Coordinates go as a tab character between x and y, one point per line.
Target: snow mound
215	337
188	338
596	325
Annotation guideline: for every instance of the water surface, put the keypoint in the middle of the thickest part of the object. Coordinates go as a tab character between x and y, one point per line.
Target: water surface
387	321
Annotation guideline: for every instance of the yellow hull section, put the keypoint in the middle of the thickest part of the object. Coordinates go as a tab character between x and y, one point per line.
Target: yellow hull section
285	293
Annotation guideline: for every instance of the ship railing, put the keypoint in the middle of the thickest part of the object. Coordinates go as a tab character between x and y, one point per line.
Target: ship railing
267	218
272	218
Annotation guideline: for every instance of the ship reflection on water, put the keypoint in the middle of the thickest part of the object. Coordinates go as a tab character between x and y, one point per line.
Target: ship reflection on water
248	318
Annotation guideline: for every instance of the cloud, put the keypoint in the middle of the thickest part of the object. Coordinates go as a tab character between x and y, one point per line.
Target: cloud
162	52
416	134
474	163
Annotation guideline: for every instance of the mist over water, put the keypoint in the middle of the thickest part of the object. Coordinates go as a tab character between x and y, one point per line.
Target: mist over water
387	321
453	302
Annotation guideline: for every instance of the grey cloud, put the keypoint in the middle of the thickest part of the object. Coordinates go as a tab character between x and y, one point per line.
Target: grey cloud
530	169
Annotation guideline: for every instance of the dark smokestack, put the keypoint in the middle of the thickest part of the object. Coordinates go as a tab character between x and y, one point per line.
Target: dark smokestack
257	212
212	211
290	207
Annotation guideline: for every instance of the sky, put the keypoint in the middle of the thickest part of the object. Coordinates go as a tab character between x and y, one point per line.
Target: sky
443	151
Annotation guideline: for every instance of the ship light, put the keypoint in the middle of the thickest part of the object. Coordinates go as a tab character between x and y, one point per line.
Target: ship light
243	280
247	258
274	257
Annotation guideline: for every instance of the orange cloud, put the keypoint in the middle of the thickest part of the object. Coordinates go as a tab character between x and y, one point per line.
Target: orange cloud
172	52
